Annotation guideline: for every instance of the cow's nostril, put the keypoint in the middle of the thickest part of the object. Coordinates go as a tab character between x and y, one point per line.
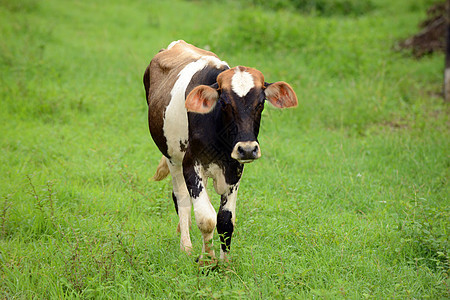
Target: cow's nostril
255	151
241	150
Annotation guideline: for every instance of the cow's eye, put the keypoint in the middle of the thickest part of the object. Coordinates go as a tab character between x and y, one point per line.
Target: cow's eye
223	105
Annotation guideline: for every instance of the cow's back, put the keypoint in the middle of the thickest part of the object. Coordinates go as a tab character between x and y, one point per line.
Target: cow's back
171	74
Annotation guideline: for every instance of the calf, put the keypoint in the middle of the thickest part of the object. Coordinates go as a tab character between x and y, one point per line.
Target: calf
205	117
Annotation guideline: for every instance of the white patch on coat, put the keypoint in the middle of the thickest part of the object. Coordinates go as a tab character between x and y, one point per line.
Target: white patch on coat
231	201
242	82
217	174
205	214
173	44
175	119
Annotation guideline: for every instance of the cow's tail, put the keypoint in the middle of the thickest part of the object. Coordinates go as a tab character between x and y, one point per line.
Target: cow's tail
162	170
146	81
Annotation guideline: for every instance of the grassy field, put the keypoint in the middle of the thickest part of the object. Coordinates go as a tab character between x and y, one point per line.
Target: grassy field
350	198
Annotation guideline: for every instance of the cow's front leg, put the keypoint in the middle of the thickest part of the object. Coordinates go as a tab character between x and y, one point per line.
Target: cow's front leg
205	215
226	219
182	204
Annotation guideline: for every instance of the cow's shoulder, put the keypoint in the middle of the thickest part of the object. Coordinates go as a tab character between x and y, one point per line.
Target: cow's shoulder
197	65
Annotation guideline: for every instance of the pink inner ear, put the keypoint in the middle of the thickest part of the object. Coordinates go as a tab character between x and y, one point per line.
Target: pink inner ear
281	95
206	103
201	99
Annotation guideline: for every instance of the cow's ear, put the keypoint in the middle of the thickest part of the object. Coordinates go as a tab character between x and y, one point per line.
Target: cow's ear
280	94
202	99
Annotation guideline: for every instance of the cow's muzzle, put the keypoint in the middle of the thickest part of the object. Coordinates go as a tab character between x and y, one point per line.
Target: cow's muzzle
246	152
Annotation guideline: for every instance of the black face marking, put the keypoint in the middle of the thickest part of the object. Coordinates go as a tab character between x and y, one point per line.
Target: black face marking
242	114
225	228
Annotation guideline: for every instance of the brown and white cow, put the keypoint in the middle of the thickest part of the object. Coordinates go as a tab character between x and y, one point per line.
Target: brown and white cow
205	117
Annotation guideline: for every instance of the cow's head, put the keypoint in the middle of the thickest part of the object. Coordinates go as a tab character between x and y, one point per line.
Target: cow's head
241	93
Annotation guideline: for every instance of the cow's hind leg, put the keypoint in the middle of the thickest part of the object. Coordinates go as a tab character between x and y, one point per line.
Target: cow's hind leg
182	202
226	219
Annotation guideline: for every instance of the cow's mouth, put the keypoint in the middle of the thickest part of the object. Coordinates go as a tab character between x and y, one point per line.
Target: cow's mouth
247	161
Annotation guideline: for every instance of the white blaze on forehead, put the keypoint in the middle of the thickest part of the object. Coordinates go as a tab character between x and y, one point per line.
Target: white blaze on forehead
242	82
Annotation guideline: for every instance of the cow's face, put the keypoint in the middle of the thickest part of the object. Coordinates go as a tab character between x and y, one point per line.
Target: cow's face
241	93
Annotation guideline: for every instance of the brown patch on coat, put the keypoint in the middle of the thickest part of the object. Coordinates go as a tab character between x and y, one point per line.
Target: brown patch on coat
207	225
180	53
159	79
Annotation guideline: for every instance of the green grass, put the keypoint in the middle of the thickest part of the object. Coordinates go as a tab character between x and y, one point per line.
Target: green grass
350	198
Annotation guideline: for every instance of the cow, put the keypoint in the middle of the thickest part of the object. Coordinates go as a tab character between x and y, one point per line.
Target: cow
205	118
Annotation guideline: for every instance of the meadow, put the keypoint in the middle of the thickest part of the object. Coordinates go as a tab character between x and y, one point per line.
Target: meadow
349	200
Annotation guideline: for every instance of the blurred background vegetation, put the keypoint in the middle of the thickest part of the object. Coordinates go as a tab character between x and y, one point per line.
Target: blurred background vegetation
349	200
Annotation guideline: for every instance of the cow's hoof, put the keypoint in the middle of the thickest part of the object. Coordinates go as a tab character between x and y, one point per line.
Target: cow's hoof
186	249
206	265
225	257
205	261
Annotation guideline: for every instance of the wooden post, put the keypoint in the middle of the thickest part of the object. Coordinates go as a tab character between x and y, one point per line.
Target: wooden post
447	53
